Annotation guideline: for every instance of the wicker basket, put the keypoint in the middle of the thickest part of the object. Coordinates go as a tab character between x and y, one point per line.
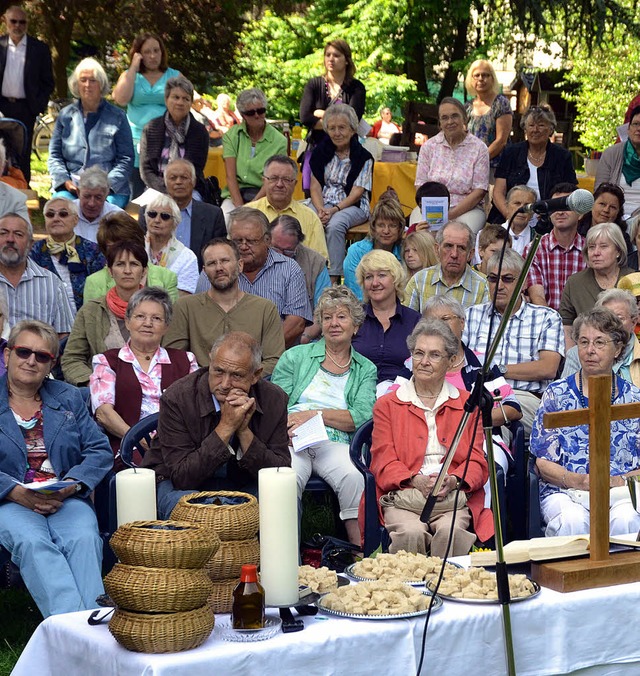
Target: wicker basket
231	522
165	544
157	590
163	633
221	599
232	555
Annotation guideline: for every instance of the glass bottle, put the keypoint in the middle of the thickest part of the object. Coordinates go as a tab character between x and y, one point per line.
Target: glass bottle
248	600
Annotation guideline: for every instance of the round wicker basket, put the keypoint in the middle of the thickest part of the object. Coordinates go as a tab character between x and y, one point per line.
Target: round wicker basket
157	590
232	555
231	522
165	544
221	599
162	633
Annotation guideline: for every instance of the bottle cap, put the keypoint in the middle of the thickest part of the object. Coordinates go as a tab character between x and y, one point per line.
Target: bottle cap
249	573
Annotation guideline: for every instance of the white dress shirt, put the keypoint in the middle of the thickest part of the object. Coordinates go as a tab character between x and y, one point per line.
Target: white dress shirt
13	80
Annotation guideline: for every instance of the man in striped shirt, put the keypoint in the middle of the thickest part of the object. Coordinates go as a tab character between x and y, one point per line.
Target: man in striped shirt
452	274
31	291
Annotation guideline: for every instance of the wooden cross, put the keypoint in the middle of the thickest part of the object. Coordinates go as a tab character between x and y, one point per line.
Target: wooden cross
600	569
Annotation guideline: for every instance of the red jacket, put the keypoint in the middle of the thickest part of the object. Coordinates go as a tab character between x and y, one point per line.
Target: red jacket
398	448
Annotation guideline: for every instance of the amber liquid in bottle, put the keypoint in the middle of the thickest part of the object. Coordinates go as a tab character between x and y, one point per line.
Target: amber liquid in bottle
248	601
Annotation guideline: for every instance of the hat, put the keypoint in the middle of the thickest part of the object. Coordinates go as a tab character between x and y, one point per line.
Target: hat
631	283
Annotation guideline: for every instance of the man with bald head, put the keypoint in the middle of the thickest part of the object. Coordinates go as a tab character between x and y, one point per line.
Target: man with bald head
219	426
201	222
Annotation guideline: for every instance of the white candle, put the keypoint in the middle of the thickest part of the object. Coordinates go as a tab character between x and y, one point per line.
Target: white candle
278	501
136	495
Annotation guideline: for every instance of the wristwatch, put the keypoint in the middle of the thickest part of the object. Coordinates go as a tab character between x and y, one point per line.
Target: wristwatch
502	368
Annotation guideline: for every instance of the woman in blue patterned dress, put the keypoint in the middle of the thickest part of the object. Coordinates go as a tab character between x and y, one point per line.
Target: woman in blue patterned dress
563	454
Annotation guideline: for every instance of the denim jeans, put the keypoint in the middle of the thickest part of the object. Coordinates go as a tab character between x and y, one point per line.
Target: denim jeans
59	556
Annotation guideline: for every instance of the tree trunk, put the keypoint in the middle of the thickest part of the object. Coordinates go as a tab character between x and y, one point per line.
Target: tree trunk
59	30
458	53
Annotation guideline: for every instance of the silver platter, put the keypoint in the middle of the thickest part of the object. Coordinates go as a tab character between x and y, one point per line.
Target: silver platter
493	602
437	604
414	583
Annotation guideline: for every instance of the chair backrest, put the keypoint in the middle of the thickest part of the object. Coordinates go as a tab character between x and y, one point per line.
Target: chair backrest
131	440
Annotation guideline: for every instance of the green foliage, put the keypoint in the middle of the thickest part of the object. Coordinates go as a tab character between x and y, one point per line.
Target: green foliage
606	80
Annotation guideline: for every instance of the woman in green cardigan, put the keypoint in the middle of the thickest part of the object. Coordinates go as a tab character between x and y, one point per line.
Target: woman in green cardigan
331	377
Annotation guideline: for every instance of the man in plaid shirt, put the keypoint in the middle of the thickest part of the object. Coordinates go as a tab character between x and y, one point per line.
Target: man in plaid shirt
532	345
558	257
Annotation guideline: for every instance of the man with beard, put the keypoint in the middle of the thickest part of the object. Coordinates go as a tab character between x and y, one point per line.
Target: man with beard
31	291
267	273
201	319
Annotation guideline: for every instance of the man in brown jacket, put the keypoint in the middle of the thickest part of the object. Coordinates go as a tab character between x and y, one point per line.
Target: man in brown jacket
219	426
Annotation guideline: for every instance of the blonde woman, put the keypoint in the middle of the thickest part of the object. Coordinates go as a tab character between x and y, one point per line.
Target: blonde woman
418	252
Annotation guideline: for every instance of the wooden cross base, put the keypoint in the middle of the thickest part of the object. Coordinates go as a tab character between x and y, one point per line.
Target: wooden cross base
576	574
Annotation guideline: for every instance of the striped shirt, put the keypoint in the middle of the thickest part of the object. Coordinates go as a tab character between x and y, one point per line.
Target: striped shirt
553	265
39	295
335	180
280	280
531	330
470	290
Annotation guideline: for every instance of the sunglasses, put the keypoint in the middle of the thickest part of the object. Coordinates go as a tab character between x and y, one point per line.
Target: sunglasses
164	216
18	22
63	213
507	279
25	353
255	111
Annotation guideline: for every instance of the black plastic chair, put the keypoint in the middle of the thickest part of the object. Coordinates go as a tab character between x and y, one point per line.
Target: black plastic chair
516	491
374	533
535	526
106	491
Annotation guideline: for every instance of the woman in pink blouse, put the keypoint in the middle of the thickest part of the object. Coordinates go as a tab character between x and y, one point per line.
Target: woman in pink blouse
460	161
126	383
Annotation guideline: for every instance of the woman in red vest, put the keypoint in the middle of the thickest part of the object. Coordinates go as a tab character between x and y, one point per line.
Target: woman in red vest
127	382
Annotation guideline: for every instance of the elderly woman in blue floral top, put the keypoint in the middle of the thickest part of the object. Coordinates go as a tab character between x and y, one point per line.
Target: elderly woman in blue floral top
563	454
71	257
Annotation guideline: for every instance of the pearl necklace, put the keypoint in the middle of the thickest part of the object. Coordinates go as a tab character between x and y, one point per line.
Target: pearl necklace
340	366
455	366
583	401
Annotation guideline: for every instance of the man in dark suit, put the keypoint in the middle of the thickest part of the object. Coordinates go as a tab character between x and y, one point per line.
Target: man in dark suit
201	222
26	77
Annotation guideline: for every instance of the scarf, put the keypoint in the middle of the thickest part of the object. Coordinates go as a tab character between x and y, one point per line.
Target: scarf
630	163
168	255
175	137
66	250
115	304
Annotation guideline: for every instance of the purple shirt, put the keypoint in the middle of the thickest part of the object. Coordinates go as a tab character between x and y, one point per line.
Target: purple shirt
387	349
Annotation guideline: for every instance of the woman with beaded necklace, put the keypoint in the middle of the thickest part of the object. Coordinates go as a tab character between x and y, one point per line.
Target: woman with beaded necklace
562	455
332	378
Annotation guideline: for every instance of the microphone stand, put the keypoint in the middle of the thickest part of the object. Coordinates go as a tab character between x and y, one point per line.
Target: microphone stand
480	399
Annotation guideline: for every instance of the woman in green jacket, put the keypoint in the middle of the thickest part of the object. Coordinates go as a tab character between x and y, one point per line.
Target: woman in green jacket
330	377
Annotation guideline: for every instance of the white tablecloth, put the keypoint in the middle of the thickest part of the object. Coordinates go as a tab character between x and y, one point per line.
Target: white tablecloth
590	632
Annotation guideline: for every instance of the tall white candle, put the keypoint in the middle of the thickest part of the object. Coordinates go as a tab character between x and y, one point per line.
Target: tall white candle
278	501
136	495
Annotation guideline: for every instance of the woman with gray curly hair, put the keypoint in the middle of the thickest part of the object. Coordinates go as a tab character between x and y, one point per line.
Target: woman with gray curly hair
329	377
562	455
341	182
90	132
245	149
163	247
127	382
175	135
412	431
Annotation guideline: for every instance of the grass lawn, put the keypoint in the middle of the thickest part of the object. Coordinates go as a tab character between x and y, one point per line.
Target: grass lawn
18	620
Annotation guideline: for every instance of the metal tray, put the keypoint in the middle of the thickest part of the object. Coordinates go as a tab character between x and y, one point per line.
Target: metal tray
437	604
492	602
414	583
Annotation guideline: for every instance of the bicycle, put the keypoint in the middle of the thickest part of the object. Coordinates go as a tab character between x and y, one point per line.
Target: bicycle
43	128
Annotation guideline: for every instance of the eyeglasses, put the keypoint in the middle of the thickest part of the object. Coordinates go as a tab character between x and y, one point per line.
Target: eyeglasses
507	279
154	319
63	213
481	76
18	22
432	357
254	111
598	343
243	241
25	352
450	318
291	253
454	118
634	125
164	216
276	179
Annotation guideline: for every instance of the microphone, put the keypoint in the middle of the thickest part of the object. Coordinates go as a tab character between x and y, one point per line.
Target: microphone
580	201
